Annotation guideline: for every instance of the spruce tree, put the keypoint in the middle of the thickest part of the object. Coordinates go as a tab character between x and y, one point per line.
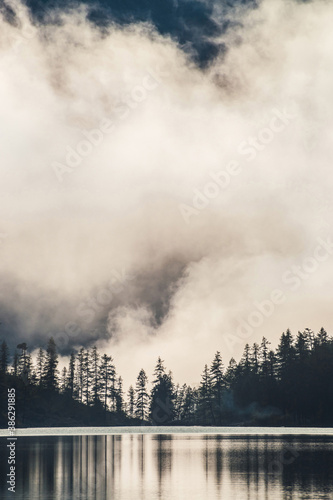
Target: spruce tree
205	398
162	401
71	374
119	396
64	380
142	397
15	363
159	370
95	374
107	374
263	357
50	367
217	385
40	361
131	402
79	384
4	355
87	376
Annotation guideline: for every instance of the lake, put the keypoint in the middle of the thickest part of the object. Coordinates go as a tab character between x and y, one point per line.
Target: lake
191	464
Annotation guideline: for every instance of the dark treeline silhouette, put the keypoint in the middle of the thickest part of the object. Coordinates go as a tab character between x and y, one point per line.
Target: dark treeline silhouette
292	385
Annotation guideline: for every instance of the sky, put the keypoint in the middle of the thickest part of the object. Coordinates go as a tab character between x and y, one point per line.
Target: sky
165	181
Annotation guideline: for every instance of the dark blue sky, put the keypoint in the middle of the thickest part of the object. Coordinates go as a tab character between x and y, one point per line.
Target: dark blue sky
195	24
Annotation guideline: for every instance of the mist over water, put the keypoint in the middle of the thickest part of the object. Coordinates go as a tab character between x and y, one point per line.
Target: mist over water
151	196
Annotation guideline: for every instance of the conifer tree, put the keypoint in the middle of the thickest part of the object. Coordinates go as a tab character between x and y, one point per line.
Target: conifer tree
79	384
131	402
64	380
142	397
50	367
119	396
107	374
4	355
159	370
71	374
205	398
217	385
40	361
15	363
264	357
230	374
87	376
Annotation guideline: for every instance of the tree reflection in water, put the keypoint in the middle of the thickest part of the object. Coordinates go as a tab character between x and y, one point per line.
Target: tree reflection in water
168	467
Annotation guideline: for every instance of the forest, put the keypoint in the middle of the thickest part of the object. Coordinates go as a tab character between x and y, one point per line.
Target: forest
291	385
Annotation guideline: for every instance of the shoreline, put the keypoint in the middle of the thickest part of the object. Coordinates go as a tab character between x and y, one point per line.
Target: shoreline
181	430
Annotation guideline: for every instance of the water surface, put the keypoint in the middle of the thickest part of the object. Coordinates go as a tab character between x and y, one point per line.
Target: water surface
231	465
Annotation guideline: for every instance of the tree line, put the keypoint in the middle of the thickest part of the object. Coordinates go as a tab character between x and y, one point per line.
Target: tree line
291	385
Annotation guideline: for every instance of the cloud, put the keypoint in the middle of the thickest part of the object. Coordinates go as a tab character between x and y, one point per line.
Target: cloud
106	134
194	24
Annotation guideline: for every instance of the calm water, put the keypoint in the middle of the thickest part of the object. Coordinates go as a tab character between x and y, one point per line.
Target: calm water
171	467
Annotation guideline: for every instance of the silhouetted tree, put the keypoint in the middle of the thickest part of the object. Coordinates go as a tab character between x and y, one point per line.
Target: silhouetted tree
71	374
50	367
15	363
64	380
159	371
162	401
79	377
142	397
217	386
87	376
4	356
230	374
292	385
40	361
95	374
107	374
131	402
189	406
205	408
119	396
264	358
